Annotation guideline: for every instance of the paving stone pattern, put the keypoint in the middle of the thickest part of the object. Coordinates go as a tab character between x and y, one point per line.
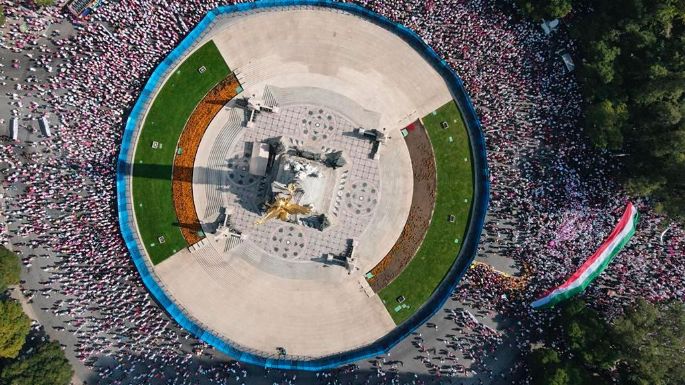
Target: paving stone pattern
356	192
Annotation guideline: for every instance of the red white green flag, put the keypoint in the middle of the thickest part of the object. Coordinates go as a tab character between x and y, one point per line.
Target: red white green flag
596	264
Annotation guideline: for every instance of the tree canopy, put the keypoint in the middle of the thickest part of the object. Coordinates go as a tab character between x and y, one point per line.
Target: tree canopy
644	346
546	9
44	366
549	369
586	334
14	327
9	268
44	3
632	72
652	342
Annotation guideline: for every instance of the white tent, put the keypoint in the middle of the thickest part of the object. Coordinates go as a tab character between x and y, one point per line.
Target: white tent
550	26
45	126
568	62
14	129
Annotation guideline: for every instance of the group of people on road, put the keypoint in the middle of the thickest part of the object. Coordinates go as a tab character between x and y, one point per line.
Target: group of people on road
553	197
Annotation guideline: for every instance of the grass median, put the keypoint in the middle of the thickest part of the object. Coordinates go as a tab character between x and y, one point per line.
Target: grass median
444	237
152	171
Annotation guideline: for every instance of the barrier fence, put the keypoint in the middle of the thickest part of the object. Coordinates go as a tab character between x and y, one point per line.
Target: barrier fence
441	294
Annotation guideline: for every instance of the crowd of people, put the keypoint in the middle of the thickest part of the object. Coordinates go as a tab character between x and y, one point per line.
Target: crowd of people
554	197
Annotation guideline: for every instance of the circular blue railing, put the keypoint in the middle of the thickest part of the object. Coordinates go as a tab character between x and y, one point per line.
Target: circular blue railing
441	294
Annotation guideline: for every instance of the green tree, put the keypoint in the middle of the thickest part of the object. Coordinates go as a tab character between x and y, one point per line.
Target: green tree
661	87
665	113
9	268
548	368
604	122
651	342
588	335
543	362
545	9
46	366
44	3
2	16
632	72
643	347
558	8
14	327
601	66
668	145
645	185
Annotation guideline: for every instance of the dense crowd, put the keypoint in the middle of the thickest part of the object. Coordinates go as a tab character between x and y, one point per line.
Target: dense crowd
554	198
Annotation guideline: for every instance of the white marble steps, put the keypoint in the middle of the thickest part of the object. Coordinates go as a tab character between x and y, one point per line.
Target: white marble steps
198	246
231	243
216	165
216	267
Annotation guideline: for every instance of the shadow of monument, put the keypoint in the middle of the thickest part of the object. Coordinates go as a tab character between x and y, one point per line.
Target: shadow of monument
200	175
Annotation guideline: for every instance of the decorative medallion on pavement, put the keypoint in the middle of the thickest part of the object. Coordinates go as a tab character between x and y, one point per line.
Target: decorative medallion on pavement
289	241
317	123
361	198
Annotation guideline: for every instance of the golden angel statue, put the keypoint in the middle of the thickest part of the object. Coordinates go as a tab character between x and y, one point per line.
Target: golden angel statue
283	206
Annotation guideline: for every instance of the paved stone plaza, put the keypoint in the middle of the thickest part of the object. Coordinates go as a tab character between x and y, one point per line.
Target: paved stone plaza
353	198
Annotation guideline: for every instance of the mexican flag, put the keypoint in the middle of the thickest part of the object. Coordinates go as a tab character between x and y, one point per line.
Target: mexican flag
594	266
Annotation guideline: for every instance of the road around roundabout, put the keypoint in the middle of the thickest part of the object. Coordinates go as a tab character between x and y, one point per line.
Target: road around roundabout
439	295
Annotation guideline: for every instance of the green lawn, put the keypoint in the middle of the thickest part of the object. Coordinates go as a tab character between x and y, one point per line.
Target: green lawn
443	239
165	121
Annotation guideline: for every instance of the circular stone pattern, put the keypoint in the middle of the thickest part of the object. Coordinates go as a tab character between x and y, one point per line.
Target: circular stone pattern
288	242
317	123
361	198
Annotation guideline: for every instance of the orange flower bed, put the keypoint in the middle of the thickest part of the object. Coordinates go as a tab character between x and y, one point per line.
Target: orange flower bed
420	212
194	130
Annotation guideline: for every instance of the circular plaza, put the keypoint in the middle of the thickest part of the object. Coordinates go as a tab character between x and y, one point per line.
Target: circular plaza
301	186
